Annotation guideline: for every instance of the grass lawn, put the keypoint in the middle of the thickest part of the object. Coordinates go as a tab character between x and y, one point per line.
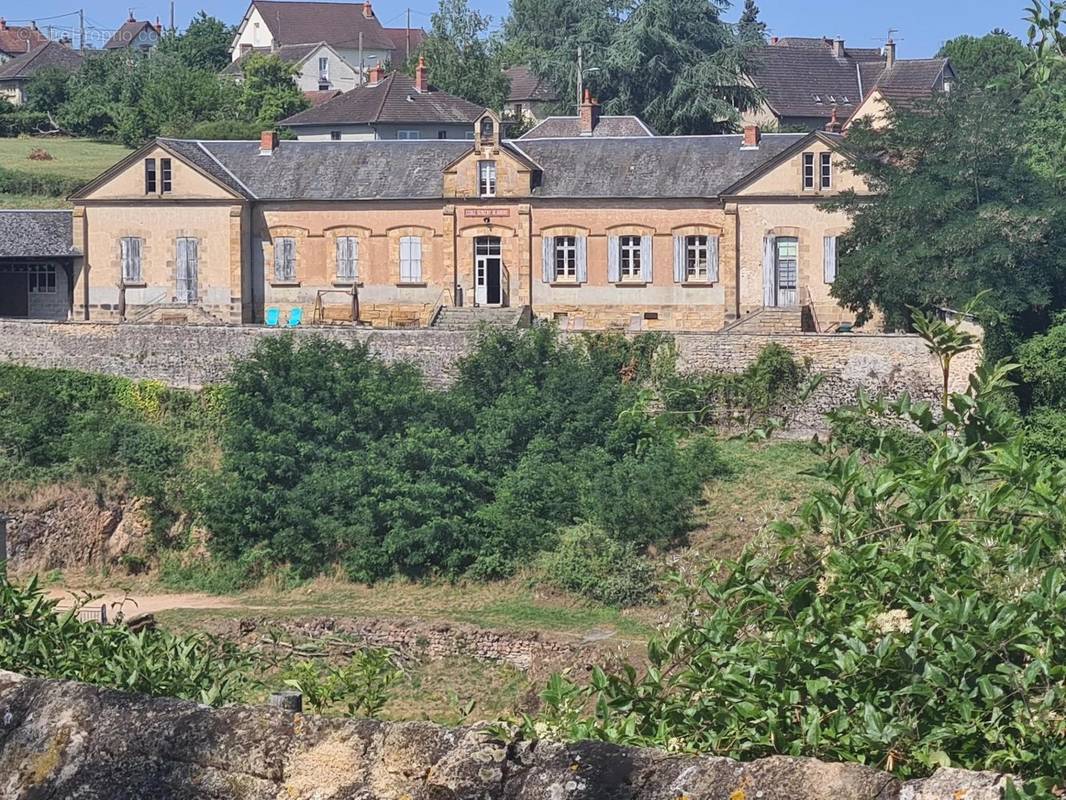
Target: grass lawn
31	200
83	159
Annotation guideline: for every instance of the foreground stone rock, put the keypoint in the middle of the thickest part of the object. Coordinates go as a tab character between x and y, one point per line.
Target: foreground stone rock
60	740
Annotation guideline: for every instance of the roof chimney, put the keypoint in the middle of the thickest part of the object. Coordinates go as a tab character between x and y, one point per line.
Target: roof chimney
421	81
368	10
834	125
376	75
3	24
774	40
130	18
890	53
589	114
838	48
268	143
752	137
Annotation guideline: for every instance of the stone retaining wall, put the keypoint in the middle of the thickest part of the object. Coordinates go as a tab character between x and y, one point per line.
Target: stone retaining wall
195	355
74	740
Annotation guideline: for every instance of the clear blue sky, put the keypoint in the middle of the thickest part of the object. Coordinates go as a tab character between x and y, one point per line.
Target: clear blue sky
922	24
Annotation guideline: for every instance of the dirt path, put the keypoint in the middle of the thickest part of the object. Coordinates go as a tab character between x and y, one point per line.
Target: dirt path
147	604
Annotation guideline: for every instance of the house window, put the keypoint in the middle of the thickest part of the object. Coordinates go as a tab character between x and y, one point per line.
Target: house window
629	257
408	135
411	259
565	258
808	171
334	136
786	269
518	110
347	258
486	178
487	130
150	185
167	174
284	259
442	134
827	170
323	72
131	248
697	258
42	279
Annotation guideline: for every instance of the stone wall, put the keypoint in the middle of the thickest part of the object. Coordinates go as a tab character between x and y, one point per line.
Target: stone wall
74	740
195	355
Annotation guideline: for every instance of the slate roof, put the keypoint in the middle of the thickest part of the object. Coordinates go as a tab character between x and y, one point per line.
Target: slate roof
339	24
907	82
585	167
18	39
393	100
129	34
317	98
567	127
36	234
289	53
50	54
822	43
527	86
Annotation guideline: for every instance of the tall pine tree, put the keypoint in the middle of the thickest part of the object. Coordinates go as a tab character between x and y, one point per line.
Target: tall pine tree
750	28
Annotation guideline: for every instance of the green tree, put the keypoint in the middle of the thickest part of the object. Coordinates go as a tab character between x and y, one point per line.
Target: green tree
203	45
679	67
48	90
995	59
750	27
462	58
956	209
268	92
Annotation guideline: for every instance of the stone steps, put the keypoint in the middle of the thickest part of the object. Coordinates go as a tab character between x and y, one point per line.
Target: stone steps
769	321
470	318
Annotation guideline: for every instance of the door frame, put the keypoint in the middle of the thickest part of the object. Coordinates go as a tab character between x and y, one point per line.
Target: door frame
777	272
483	264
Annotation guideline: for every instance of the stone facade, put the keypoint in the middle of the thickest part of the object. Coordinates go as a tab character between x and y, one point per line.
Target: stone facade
195	355
75	740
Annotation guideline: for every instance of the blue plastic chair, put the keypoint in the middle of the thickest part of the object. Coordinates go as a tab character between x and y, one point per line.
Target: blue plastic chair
296	316
273	317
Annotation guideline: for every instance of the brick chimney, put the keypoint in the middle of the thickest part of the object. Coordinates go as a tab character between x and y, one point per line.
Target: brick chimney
268	143
890	53
368	10
376	75
834	125
589	114
752	137
3	24
838	48
774	39
421	81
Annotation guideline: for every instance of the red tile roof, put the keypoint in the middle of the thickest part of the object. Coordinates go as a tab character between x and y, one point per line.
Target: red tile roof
18	39
129	35
320	97
339	24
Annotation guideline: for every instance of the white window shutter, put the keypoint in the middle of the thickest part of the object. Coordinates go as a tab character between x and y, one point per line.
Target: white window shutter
713	248
125	247
768	293
548	254
582	259
354	248
279	259
405	260
416	259
679	259
830	259
646	255
614	272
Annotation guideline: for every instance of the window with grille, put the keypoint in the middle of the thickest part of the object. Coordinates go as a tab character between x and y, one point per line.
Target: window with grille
150	185
285	259
411	259
42	278
565	257
808	171
166	174
486	171
408	135
697	258
347	258
629	257
786	269
827	170
131	248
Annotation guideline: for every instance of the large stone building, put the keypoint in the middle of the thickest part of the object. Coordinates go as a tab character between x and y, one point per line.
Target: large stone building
679	233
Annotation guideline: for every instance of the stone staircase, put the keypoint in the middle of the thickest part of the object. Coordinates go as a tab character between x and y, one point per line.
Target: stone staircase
466	318
172	313
769	322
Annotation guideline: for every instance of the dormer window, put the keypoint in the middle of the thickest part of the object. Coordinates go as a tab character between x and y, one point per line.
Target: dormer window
486	178
488	130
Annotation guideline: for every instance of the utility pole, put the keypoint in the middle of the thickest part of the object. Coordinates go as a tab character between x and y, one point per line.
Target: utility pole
172	28
362	65
408	35
580	75
81	28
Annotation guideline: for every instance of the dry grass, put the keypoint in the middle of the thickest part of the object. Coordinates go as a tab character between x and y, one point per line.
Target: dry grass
82	159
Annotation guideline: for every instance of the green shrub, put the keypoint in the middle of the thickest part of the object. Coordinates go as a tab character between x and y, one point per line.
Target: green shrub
14	181
863	432
364	684
219	575
37	639
1045	433
590	563
17	123
1043	366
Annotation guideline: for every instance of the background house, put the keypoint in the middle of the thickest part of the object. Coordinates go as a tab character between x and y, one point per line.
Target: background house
135	35
16	72
529	97
588	122
16	40
392	106
320	68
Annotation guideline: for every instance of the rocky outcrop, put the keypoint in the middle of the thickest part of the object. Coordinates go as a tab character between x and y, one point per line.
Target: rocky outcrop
69	528
60	740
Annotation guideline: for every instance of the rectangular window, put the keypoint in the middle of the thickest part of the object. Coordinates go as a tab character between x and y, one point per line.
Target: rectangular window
565	258
42	279
284	260
830	258
486	178
188	252
323	69
347	258
408	135
827	170
131	247
150	185
808	171
629	257
697	258
411	259
334	136
442	134
166	174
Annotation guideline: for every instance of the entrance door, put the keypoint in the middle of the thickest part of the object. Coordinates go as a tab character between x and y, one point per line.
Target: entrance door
786	271
488	266
188	270
14	293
